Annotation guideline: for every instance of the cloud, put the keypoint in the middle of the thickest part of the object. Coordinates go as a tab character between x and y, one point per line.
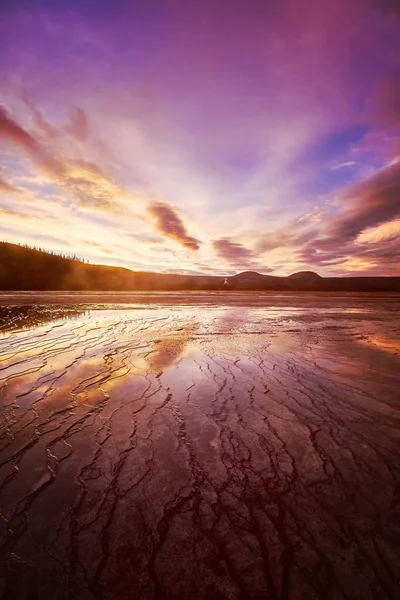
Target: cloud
9	212
78	125
82	178
359	258
45	129
6	187
382	111
170	224
293	235
343	165
369	203
91	186
366	205
391	6
386	231
236	254
386	101
12	131
232	252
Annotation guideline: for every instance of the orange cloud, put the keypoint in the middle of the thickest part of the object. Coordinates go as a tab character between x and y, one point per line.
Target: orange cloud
170	224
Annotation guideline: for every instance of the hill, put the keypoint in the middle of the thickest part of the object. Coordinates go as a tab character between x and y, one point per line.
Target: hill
309	276
23	268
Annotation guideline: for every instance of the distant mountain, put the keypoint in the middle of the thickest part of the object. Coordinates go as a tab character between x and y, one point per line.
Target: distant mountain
23	268
304	276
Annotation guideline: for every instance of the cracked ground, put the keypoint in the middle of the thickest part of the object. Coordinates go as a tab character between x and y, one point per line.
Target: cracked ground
179	447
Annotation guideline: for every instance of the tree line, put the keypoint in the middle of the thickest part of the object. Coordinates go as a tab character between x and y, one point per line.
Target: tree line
53	253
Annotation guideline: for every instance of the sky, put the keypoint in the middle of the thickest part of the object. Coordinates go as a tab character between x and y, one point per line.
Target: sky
212	136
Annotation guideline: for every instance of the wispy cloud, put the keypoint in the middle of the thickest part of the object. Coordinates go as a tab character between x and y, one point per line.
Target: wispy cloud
343	165
42	126
10	130
7	187
78	125
84	179
237	255
365	206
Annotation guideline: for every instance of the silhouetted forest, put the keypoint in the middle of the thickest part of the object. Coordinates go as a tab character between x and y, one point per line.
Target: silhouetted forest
26	268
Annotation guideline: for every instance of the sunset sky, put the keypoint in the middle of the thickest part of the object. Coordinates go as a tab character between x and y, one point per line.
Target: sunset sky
203	136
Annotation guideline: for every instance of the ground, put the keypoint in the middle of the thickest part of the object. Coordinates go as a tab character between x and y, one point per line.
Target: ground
238	446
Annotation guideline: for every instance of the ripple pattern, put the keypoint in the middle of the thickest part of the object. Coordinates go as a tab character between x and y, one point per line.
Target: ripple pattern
158	452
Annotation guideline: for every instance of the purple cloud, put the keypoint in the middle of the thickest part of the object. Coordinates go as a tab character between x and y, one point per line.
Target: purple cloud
237	255
10	130
366	205
78	125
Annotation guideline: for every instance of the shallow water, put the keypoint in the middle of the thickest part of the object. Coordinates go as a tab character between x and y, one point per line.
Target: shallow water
200	446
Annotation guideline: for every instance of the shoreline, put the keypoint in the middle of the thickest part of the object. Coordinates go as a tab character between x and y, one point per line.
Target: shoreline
179	298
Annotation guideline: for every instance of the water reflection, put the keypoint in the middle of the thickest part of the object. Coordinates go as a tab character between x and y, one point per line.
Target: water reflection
386	343
30	316
166	351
